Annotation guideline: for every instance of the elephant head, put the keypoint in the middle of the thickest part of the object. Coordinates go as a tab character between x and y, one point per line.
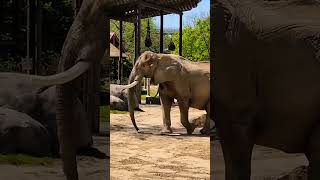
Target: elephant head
159	67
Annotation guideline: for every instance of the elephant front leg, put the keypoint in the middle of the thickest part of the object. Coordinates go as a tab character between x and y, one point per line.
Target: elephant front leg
236	137
166	103
184	115
313	154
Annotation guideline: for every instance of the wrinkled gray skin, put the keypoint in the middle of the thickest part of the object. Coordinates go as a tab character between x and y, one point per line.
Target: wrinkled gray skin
267	86
42	108
19	133
178	78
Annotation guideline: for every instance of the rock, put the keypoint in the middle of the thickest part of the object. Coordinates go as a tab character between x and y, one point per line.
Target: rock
122	94
19	133
299	173
42	108
118	104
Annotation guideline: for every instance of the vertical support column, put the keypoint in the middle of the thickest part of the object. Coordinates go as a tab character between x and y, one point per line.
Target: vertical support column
33	35
161	32
38	36
28	34
180	34
120	53
138	47
212	147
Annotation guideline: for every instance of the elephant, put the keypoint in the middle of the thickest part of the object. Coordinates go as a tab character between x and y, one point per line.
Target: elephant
267	74
178	78
84	47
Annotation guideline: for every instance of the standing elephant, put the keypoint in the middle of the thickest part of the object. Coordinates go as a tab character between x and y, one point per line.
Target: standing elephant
267	80
178	78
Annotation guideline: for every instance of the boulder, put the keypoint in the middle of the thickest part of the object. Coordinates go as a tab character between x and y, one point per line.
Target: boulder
299	173
117	92
19	133
42	108
118	104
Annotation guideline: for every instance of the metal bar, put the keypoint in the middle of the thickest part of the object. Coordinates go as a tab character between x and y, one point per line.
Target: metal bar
180	35
157	7
161	32
138	47
28	34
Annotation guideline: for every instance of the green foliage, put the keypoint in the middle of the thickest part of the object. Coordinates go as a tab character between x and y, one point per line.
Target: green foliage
104	113
196	40
21	159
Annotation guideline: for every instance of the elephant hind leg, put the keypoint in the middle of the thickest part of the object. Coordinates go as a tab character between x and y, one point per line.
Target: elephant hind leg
209	124
313	154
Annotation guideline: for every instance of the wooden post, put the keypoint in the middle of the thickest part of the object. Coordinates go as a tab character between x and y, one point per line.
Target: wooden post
180	34
120	53
161	32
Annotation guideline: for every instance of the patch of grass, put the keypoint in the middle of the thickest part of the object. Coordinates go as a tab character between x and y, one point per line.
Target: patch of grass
22	159
153	92
117	112
104	113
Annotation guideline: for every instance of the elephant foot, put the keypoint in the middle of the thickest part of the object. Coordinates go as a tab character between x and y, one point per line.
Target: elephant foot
206	131
191	129
166	130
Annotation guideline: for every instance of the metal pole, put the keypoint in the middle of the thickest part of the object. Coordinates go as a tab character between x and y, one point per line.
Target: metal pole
28	35
161	32
180	35
138	47
120	53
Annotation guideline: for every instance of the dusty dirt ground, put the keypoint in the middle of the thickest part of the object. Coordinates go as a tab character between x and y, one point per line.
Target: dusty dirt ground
153	156
89	168
267	163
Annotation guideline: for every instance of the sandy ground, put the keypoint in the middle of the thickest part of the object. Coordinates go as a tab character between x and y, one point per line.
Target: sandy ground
153	156
89	168
267	163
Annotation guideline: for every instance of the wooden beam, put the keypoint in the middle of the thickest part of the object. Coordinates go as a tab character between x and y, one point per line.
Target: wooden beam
161	32
180	35
157	7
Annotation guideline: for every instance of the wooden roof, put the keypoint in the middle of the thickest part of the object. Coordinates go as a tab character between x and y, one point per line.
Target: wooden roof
126	10
115	52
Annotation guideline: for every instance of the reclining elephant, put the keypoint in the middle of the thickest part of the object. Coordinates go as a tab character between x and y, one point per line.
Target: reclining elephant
178	78
267	84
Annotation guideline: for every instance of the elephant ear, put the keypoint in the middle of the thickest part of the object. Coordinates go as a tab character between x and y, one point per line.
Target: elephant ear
167	73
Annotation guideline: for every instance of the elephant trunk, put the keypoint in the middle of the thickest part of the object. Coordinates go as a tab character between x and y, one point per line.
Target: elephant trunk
134	79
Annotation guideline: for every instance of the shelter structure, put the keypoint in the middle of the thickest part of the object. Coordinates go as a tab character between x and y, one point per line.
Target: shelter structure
116	72
129	11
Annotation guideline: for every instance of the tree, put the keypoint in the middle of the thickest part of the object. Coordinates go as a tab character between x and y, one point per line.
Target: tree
196	40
